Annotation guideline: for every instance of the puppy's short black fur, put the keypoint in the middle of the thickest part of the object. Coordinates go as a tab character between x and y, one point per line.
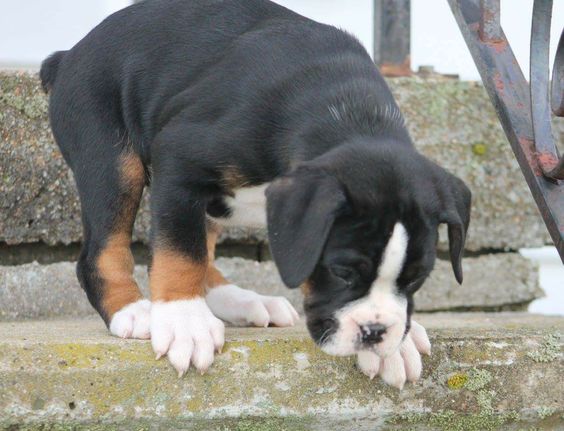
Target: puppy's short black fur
202	97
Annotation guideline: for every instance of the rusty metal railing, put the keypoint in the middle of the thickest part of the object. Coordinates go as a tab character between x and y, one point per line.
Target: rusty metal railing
392	29
523	109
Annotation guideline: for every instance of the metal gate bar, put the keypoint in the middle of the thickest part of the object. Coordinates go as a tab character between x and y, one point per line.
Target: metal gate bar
533	145
392	19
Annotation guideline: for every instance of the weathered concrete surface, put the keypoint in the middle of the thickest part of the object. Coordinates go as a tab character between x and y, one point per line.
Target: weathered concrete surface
486	372
501	281
452	122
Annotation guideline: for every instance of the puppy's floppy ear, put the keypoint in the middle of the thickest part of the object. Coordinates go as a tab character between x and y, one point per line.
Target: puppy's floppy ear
456	213
301	209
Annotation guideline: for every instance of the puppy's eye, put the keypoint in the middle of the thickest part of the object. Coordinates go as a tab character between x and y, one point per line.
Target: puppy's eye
346	273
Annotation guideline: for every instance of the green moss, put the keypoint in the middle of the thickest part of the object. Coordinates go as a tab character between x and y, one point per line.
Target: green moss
545	412
266	425
451	421
477	379
38	404
22	94
484	400
226	424
457	381
548	351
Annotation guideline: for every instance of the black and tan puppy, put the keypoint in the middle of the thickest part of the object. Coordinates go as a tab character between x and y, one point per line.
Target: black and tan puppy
216	104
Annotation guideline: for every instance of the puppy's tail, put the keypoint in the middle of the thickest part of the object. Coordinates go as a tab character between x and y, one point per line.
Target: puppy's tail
49	68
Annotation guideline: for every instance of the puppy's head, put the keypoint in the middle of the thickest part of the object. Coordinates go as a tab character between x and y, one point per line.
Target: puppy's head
358	230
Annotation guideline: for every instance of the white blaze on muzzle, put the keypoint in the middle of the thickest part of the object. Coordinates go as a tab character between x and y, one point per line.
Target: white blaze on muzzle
383	305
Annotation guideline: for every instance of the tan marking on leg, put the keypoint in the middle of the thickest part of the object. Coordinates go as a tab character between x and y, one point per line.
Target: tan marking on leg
115	267
115	263
132	176
175	276
214	276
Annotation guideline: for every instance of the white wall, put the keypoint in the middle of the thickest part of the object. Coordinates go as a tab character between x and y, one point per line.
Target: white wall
32	29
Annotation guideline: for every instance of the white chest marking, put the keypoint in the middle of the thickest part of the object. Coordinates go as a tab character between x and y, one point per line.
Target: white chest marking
248	208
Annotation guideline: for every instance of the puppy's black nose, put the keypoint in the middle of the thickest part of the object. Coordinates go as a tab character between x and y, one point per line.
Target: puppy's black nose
372	333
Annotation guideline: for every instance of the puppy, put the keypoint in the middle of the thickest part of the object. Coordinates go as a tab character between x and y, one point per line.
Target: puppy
226	108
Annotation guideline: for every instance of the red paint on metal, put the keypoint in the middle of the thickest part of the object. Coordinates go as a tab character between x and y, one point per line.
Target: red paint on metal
529	150
499	45
547	161
498	82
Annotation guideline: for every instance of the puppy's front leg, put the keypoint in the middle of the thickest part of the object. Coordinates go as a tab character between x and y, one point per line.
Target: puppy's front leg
242	307
182	325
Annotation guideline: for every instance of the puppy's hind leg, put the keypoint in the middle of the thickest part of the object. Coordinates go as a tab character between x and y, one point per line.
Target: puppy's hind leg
242	307
110	188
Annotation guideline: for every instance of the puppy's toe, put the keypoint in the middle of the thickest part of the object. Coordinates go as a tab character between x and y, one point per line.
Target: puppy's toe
411	360
420	338
203	353
244	307
217	332
180	354
392	370
369	363
132	321
253	312
280	310
187	332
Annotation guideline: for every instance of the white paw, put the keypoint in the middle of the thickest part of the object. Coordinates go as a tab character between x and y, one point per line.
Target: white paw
244	307
132	321
187	332
401	366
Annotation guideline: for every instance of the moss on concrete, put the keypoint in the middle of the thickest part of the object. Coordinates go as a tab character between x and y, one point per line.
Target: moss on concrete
262	383
226	424
22	94
549	350
545	412
477	379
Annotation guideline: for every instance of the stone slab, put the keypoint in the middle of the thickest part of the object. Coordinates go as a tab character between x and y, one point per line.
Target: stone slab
486	372
451	121
501	281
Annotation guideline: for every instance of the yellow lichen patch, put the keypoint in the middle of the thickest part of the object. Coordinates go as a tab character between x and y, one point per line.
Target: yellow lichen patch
479	149
92	355
457	381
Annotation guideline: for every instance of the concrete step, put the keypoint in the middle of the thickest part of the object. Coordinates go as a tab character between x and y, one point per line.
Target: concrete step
46	291
486	372
452	122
